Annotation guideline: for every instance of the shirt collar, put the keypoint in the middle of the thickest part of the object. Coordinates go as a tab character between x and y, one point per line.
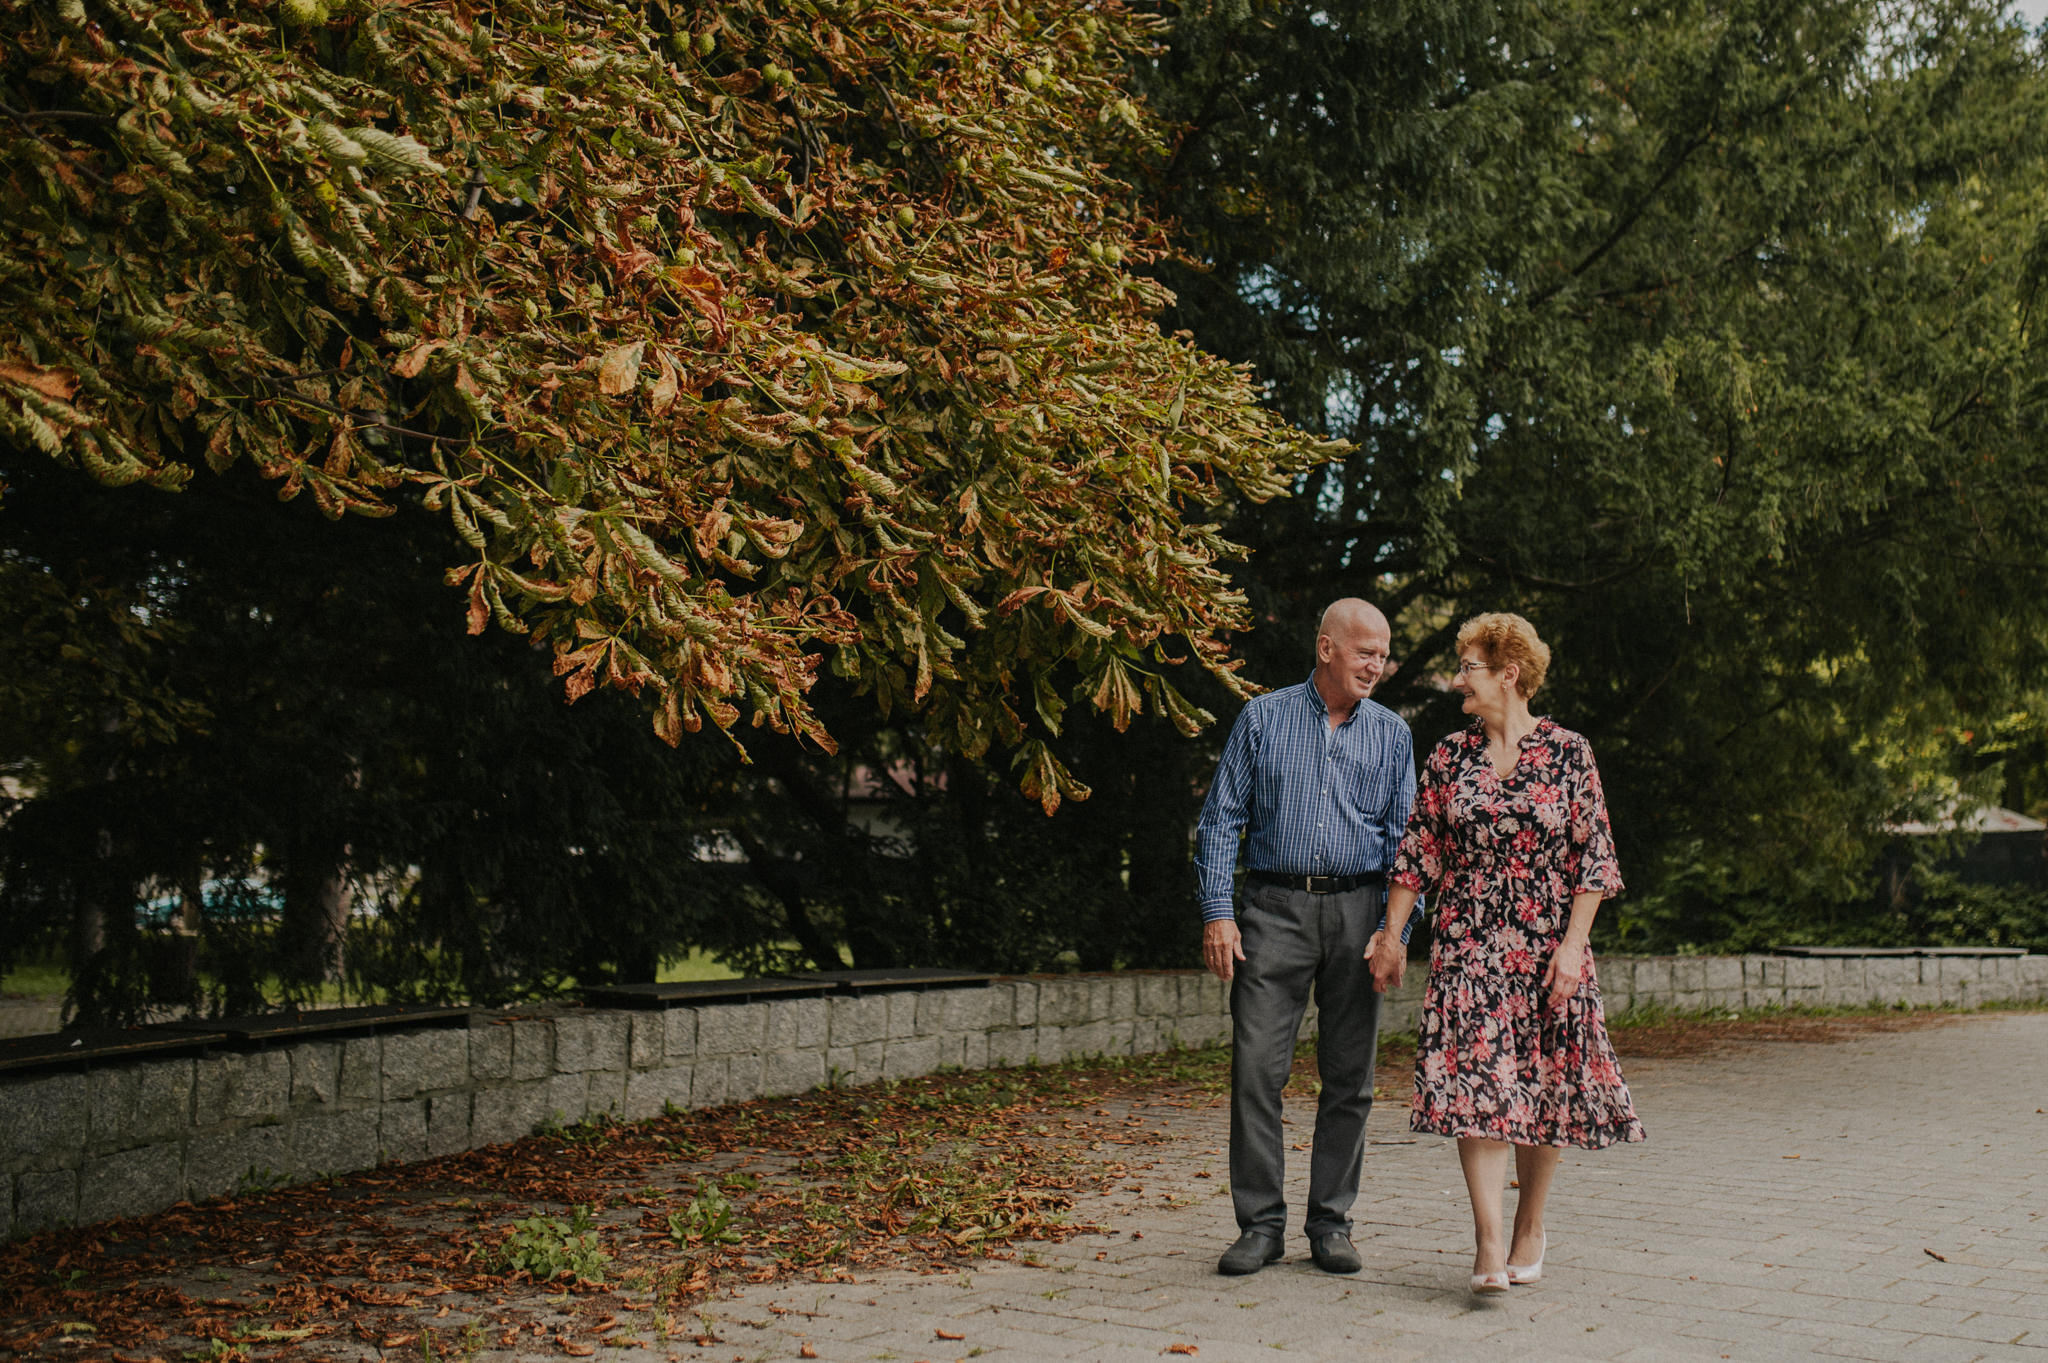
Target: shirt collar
1315	699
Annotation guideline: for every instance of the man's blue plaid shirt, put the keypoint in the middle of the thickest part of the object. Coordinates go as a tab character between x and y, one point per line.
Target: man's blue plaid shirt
1314	801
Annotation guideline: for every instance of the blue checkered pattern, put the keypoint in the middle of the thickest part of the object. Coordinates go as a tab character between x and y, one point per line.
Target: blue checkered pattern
1306	799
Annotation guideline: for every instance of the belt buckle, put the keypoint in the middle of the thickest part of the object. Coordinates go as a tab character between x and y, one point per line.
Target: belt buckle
1322	884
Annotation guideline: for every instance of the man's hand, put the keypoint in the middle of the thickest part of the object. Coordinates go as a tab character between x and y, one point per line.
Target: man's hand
1222	948
1387	956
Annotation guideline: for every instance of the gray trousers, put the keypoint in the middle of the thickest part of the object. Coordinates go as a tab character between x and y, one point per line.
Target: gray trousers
1294	941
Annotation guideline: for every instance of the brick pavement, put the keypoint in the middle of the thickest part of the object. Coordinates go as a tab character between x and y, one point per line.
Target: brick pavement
1783	1207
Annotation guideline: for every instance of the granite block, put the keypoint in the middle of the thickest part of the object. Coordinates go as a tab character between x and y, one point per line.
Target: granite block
334	1142
650	1093
679	1033
1065	1002
507	1113
568	1098
854	1022
707	1084
743	1077
223	1162
256	1084
129	1182
952	1010
43	1199
787	1072
1158	995
402	1132
533	1048
490	1052
316	1073
908	1057
447	1123
647	1044
732	1029
902	1015
1014	1046
797	1025
362	1069
591	1041
607	1093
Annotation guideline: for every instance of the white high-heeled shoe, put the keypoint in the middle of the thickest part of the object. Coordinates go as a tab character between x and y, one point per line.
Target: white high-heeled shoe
1521	1275
1489	1284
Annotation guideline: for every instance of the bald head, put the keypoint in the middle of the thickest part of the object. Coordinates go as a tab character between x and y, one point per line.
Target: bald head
1349	615
1351	654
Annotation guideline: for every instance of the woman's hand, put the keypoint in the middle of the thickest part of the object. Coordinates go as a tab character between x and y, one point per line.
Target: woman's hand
1566	971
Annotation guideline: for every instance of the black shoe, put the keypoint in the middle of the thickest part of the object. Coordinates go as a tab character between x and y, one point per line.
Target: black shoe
1252	1252
1333	1253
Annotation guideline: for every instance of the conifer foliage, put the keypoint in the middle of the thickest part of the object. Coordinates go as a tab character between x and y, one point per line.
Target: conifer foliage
728	338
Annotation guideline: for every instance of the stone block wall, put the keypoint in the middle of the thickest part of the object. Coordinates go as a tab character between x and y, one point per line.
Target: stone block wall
127	1137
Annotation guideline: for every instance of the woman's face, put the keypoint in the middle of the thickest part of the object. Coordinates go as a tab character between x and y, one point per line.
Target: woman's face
1484	686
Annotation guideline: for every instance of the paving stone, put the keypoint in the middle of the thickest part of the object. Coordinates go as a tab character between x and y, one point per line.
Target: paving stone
1703	1242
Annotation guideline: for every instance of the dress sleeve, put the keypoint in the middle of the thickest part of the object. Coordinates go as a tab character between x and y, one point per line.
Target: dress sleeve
1419	864
1594	865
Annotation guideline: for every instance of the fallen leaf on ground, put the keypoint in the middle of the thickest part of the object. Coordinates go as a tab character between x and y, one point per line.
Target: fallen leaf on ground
949	1334
1932	1255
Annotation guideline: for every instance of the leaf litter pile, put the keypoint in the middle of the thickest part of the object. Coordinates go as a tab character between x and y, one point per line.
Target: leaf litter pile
606	1234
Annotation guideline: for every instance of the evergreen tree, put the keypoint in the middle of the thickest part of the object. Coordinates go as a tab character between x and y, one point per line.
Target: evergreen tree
1705	334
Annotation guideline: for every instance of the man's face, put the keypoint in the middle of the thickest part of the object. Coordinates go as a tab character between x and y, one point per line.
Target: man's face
1354	658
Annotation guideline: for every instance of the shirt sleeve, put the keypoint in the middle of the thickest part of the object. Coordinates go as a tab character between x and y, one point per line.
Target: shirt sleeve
1594	864
1401	803
1419	863
1224	814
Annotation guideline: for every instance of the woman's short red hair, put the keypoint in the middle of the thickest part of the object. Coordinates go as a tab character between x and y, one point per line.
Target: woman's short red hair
1504	638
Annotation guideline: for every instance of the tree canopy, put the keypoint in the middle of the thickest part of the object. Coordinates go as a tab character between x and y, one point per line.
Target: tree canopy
720	335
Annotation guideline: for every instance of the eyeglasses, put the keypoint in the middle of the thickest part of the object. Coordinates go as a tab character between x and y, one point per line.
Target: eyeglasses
1466	668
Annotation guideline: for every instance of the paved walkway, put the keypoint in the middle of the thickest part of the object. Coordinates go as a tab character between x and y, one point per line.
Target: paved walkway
1791	1203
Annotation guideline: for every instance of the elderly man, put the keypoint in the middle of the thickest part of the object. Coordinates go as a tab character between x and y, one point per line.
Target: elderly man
1317	780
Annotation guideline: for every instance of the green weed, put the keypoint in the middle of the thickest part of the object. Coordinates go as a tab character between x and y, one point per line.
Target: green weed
546	1248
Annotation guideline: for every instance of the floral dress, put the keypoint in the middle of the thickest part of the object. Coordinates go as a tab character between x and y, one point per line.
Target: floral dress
1502	860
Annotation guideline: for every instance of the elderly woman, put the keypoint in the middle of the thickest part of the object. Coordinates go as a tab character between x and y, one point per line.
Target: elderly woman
1510	836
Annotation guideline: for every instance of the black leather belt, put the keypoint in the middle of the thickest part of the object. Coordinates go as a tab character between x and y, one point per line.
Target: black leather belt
1322	884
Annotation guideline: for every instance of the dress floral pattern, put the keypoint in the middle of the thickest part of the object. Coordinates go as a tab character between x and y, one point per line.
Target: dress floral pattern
1501	859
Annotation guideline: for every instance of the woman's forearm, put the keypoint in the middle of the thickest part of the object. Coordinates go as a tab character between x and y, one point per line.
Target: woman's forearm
1400	903
1579	929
